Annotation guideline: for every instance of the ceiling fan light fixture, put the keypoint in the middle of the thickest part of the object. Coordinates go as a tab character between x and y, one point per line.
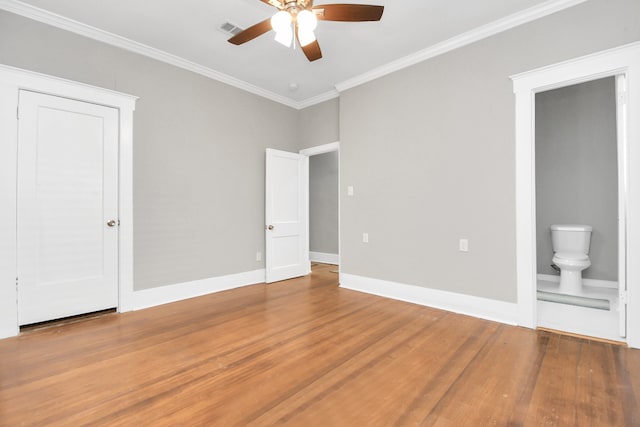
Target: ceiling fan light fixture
306	37
307	21
297	19
284	37
281	21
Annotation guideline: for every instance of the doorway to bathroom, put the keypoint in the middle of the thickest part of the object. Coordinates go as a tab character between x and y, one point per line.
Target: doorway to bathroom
623	64
577	205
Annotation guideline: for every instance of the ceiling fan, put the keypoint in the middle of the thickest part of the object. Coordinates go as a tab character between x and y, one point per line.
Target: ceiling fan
300	17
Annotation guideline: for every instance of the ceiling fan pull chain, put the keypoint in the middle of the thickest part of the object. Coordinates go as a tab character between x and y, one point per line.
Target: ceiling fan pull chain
295	38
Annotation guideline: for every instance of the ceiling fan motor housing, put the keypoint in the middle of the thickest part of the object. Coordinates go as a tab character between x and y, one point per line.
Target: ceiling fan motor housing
294	7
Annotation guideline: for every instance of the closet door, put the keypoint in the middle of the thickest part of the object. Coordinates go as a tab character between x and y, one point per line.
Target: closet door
67	234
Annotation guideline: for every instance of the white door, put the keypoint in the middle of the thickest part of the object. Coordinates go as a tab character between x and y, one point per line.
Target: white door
67	207
286	215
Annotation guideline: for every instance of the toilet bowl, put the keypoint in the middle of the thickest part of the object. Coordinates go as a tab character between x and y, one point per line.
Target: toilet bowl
571	266
571	248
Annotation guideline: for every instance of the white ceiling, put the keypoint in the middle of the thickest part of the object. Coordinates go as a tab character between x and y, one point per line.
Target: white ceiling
189	29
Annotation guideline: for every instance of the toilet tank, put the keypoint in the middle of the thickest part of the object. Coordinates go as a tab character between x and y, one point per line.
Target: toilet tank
571	238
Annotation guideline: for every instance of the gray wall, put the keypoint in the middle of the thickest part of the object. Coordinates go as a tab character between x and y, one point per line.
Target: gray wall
319	124
198	162
430	153
323	203
577	171
429	150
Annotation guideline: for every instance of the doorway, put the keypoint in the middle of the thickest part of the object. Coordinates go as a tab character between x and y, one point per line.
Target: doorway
576	181
324	203
623	61
67	208
14	83
323	208
287	203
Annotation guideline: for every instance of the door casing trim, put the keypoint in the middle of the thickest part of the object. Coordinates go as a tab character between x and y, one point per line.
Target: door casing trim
617	61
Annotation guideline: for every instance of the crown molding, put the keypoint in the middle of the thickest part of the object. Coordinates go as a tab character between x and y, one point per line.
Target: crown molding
59	21
488	30
331	94
536	71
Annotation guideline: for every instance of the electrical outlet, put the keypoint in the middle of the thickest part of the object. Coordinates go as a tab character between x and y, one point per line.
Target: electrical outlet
365	237
258	256
463	246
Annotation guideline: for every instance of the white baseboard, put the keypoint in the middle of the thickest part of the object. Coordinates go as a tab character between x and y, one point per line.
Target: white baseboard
596	283
171	293
324	258
499	311
8	311
162	295
9	328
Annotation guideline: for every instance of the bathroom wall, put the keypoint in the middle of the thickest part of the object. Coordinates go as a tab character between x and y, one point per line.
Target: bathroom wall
576	171
323	203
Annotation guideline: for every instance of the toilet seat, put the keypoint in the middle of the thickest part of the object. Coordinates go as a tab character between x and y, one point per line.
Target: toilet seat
571	262
571	256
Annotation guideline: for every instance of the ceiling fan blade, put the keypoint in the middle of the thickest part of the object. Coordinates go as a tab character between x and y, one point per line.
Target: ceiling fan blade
348	12
251	33
312	50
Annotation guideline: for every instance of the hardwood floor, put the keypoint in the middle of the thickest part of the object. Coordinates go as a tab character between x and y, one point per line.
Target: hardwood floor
306	353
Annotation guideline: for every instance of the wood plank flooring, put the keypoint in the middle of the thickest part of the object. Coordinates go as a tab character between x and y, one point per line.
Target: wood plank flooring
306	353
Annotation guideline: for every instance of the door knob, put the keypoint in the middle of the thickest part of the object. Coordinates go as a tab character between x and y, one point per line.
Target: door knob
112	223
270	227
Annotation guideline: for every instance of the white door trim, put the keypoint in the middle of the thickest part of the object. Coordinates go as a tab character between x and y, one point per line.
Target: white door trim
621	60
313	151
622	116
12	80
321	149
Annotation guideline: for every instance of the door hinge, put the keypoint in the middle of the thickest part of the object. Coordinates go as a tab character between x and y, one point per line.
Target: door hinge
622	97
623	297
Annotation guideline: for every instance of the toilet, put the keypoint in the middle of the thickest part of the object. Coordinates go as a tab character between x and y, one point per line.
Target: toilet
570	244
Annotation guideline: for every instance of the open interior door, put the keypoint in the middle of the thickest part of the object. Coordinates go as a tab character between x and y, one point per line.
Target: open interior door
286	216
